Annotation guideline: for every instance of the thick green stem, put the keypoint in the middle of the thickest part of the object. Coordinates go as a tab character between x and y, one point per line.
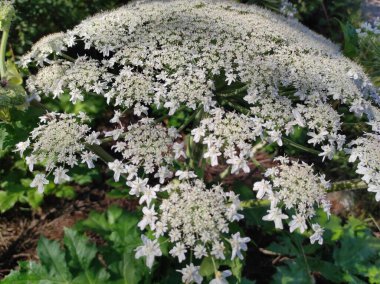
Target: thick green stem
67	57
100	152
348	185
189	120
234	93
299	146
258	165
3	49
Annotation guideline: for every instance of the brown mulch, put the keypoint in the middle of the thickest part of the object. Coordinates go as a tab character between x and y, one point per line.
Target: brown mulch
20	228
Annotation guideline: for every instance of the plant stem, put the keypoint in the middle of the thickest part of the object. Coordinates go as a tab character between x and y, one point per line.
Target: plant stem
348	185
189	120
258	165
299	146
213	263
67	57
3	49
234	92
99	151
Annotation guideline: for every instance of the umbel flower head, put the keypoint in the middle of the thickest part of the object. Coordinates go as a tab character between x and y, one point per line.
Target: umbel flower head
270	71
57	143
147	144
294	186
366	151
196	219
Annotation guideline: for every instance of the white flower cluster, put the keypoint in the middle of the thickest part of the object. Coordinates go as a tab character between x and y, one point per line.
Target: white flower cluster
225	133
368	28
159	52
288	9
59	142
148	145
42	49
195	219
366	150
82	76
293	185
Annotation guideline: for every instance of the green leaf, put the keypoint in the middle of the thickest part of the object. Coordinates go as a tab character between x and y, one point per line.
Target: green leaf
130	270
293	272
8	200
34	198
354	251
113	213
328	270
53	259
285	246
237	268
207	267
81	251
374	275
247	281
13	192
30	273
91	277
3	136
351	39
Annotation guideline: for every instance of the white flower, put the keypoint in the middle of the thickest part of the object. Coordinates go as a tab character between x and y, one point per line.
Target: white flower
275	137
115	134
298	221
191	274
150	249
160	229
317	138
276	216
213	153
139	109
163	173
238	244
22	146
116	117
172	106
75	96
178	149
60	175
149	193
185	174
149	218
262	187
31	161
230	78
218	250
200	251
93	138
238	163
328	152
39	181
179	251
220	277
118	168
318	233
198	133
89	158
376	189
138	186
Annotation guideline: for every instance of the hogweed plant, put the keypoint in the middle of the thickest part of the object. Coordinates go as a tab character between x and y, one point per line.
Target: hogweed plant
245	77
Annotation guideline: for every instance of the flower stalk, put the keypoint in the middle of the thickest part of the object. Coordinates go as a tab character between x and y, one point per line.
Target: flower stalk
3	49
7	13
